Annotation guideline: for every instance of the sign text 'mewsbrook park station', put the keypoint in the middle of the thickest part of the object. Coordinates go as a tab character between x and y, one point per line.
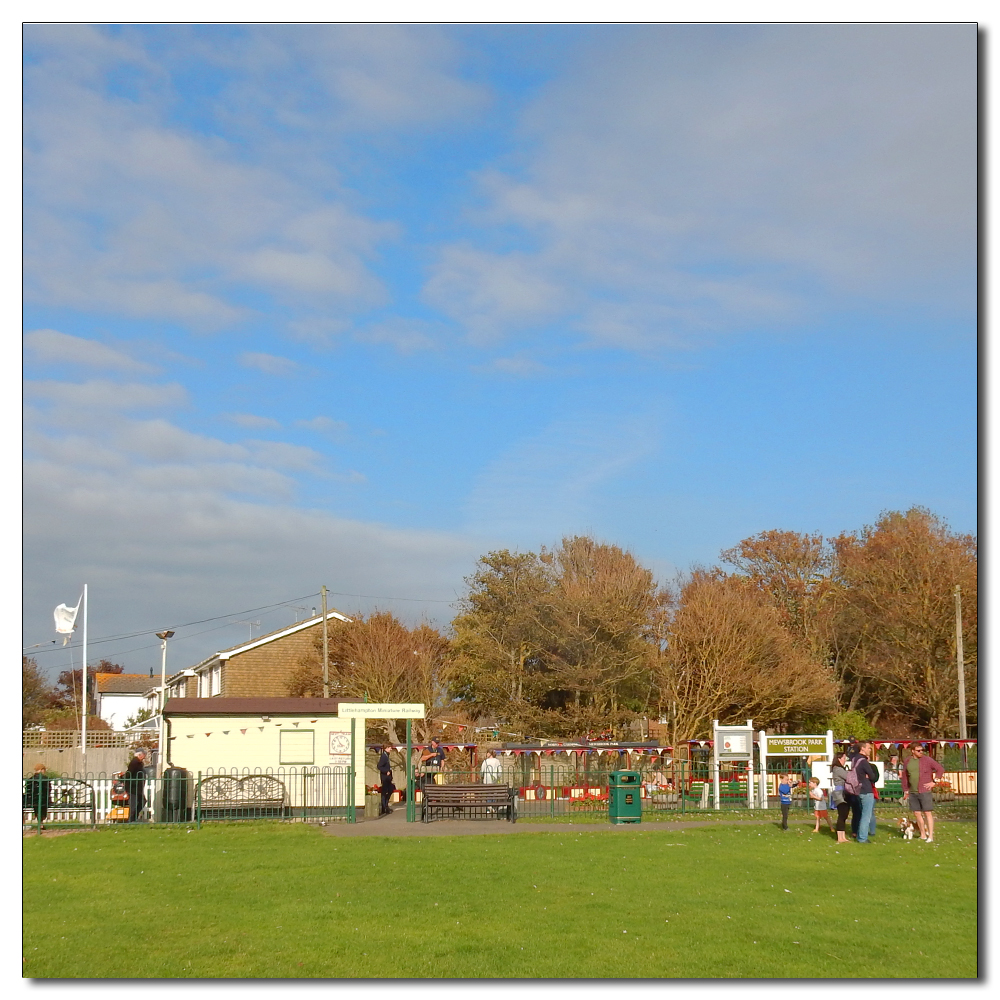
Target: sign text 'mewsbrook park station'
791	746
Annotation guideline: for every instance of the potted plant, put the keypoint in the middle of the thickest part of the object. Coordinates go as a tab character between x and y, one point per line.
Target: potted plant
943	792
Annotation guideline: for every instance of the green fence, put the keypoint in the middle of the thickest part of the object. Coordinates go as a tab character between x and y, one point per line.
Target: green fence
302	794
677	787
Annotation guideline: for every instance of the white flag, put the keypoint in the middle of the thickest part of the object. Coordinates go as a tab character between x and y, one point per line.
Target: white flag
65	620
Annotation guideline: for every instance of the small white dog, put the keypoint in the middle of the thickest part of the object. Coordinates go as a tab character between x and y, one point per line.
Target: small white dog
907	828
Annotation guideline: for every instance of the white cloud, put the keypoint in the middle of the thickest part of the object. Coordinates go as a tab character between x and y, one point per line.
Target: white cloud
680	181
127	212
70	398
406	335
325	425
171	543
252	422
358	78
269	364
165	523
490	293
53	347
519	367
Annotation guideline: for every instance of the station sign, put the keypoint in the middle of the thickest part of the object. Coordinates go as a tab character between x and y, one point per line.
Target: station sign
380	710
795	746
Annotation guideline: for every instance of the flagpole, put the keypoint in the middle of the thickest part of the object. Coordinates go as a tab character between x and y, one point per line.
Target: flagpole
84	726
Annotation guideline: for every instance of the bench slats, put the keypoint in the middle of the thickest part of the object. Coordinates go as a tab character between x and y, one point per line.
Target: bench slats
468	801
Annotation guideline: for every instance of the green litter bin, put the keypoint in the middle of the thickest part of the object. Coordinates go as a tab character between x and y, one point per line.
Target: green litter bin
624	797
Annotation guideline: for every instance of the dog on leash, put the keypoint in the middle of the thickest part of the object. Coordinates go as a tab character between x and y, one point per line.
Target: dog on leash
907	828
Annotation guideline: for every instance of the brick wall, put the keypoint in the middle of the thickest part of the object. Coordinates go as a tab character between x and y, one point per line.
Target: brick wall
264	672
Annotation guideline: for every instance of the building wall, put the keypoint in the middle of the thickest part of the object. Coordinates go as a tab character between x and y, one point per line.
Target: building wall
264	672
204	743
116	708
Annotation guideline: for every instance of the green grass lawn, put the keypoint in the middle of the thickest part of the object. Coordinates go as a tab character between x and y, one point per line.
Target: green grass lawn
286	901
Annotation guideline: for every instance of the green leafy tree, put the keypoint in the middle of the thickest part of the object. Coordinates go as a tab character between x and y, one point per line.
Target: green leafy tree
36	693
851	725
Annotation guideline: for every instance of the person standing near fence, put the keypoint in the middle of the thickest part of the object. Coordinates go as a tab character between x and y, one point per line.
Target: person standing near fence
387	787
490	769
838	798
135	782
918	776
36	794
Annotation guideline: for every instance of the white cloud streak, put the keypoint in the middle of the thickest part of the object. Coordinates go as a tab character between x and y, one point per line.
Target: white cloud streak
269	364
56	348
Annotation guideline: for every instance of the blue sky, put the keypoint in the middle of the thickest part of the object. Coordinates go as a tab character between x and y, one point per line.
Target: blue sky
354	305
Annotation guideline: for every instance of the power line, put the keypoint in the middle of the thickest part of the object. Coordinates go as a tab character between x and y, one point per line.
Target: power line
202	621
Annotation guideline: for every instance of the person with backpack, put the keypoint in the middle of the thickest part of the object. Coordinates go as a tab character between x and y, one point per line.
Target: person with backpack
860	783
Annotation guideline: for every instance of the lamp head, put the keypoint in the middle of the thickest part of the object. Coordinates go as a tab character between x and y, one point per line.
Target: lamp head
164	635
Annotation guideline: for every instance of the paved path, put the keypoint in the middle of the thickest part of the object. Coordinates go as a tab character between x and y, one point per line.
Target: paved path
395	825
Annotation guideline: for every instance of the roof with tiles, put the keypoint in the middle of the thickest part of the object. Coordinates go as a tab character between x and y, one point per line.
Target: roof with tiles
122	683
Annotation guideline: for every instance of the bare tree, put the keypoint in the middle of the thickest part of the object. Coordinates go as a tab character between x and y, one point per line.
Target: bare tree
378	657
730	657
894	630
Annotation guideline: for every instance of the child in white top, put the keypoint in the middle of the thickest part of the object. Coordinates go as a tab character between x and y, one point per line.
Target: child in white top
818	796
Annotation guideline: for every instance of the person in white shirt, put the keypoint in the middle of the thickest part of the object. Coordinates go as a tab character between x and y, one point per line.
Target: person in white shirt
490	769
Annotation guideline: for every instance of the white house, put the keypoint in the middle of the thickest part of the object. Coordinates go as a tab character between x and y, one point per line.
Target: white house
120	696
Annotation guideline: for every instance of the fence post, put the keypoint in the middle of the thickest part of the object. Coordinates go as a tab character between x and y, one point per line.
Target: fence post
552	808
197	804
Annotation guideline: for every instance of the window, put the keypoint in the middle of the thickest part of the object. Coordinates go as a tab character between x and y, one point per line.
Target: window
297	746
210	682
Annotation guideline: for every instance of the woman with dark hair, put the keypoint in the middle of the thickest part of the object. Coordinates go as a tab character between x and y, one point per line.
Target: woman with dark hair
838	798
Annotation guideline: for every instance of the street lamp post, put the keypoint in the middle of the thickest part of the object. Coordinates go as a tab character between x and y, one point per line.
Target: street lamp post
163	696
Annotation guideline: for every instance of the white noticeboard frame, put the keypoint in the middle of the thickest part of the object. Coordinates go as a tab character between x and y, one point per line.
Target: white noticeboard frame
732	743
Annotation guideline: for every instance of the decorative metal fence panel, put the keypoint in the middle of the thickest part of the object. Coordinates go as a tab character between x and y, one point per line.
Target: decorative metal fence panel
304	794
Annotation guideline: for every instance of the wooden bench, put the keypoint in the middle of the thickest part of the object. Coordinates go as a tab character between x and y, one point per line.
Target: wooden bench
225	796
68	796
468	802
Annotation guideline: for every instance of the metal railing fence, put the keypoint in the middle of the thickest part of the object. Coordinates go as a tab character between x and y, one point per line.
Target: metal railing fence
303	794
555	790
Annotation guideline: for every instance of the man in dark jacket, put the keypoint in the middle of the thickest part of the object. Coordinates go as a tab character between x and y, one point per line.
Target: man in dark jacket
387	787
135	782
867	776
